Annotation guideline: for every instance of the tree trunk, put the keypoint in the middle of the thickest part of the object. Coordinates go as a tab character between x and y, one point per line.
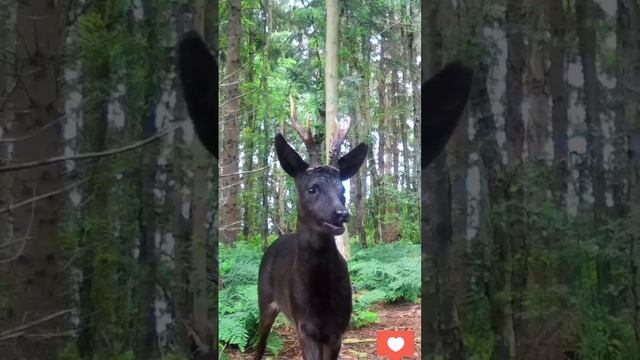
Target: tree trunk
331	95
437	215
536	73
7	81
39	281
201	280
560	98
266	149
149	224
514	249
586	18
178	203
229	210
384	162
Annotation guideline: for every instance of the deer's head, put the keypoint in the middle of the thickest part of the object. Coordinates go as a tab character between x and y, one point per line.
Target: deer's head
321	200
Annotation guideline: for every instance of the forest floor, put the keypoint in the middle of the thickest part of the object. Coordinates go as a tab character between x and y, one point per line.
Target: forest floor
357	343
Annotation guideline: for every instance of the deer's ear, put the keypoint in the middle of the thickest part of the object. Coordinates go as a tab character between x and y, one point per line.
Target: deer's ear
350	163
199	77
289	159
444	97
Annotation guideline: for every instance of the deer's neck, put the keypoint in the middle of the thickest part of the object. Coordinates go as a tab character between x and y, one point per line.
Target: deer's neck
313	241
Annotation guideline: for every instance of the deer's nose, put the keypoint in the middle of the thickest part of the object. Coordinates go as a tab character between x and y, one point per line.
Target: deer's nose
342	215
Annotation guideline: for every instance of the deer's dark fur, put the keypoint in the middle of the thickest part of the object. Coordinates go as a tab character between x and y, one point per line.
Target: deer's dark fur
198	71
302	274
444	97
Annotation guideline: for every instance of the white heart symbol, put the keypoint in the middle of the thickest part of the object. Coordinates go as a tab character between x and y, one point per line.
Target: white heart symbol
395	343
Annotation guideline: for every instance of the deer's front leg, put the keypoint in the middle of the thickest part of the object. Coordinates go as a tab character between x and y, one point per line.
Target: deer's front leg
332	349
310	343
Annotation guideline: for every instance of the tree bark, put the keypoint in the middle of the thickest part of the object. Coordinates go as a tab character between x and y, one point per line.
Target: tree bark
513	249
331	95
39	281
586	18
264	156
437	216
560	99
229	210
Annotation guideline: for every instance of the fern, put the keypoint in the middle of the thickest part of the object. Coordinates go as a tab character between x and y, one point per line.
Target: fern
387	273
392	269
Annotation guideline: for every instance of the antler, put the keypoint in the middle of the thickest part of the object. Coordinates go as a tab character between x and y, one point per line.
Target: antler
305	135
336	142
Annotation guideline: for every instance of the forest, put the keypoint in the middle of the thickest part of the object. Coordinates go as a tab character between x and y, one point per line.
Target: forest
276	54
530	220
121	238
107	203
110	224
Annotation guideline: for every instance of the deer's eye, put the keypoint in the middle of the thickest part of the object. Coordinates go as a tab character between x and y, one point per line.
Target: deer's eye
313	190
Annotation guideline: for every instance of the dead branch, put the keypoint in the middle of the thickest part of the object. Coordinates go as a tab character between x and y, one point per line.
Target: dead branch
357	341
91	155
32	134
22	241
243	172
229	226
19	330
236	98
43	196
9	93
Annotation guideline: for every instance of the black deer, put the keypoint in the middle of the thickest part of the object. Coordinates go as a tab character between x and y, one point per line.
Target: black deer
302	274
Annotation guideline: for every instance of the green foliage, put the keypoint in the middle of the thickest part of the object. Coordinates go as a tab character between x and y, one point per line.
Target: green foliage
391	268
385	273
238	295
576	273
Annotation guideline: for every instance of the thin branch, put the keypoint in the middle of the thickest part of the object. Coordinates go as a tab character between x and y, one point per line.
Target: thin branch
11	333
43	196
28	136
229	226
10	93
243	172
232	185
57	159
23	240
237	97
242	68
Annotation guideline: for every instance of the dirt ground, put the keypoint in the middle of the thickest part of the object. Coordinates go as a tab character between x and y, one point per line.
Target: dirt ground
358	343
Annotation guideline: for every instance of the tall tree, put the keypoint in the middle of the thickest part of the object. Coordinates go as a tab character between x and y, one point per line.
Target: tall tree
266	140
229	160
560	98
38	281
437	207
586	20
202	279
331	95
